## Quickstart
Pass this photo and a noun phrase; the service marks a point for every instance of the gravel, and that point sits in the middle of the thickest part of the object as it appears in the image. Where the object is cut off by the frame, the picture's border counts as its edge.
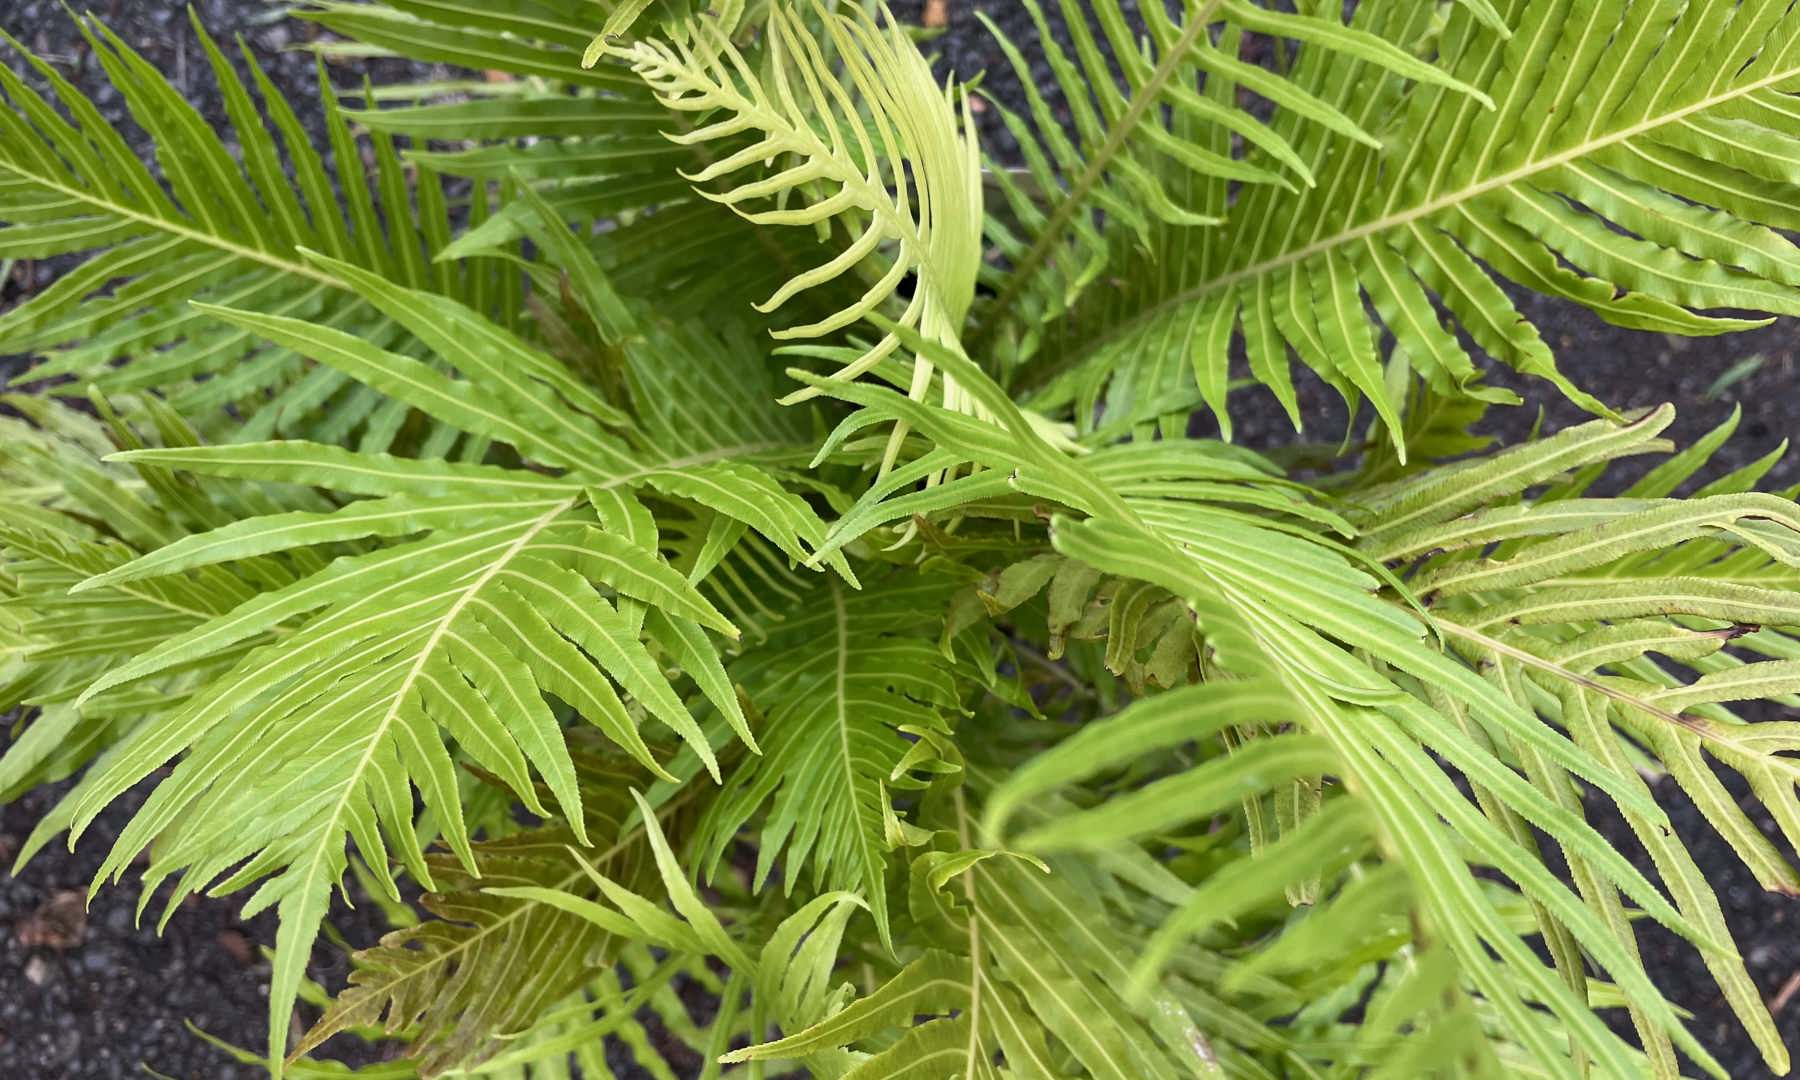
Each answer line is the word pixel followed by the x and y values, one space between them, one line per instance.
pixel 85 998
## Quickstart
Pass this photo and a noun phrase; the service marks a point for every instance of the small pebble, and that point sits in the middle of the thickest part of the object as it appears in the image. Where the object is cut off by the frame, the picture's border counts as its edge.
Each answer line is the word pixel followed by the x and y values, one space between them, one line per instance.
pixel 37 971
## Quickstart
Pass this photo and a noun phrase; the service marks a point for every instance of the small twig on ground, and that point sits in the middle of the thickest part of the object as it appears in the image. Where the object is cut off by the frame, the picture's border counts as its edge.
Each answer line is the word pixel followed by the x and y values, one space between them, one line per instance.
pixel 1786 993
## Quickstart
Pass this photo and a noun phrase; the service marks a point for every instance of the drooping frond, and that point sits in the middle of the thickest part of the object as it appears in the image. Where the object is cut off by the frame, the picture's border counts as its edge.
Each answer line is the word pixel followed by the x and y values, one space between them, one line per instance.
pixel 497 586
pixel 1285 604
pixel 1636 161
pixel 482 965
pixel 1593 611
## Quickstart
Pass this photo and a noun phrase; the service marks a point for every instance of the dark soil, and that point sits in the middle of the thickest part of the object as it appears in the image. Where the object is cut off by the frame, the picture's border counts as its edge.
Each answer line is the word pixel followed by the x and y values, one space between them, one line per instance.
pixel 96 996
pixel 90 997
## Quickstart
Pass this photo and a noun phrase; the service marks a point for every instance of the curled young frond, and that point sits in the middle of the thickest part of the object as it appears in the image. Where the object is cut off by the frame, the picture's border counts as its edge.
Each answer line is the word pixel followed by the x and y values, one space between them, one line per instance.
pixel 849 131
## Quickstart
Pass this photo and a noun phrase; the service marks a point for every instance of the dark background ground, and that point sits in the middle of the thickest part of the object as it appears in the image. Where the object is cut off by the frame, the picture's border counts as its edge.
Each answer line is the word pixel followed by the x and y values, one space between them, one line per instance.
pixel 92 998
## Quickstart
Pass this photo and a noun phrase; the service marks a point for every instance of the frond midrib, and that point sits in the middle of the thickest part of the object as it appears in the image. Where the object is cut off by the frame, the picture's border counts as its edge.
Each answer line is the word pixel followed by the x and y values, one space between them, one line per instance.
pixel 353 780
pixel 1695 726
pixel 175 228
pixel 688 461
pixel 840 678
pixel 976 979
pixel 1149 313
pixel 1077 194
pixel 140 593
pixel 330 833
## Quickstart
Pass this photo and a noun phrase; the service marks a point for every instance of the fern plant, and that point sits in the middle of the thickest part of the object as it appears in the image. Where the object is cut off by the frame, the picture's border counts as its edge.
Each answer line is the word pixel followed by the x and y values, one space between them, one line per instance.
pixel 710 528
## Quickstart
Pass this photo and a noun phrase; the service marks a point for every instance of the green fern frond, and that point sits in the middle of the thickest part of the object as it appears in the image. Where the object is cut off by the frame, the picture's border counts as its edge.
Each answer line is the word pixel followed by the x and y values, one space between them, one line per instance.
pixel 1030 960
pixel 214 229
pixel 1636 162
pixel 853 695
pixel 1276 605
pixel 456 633
pixel 1145 756
pixel 637 1006
pixel 541 39
pixel 1562 610
pixel 1156 151
pixel 787 980
pixel 483 964
pixel 902 178
pixel 68 518
pixel 588 141
pixel 580 132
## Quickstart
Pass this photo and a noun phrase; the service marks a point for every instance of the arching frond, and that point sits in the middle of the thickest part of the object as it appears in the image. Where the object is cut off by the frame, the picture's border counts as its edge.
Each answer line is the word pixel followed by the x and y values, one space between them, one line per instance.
pixel 1286 606
pixel 1634 162
pixel 1155 118
pixel 212 227
pixel 1575 598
